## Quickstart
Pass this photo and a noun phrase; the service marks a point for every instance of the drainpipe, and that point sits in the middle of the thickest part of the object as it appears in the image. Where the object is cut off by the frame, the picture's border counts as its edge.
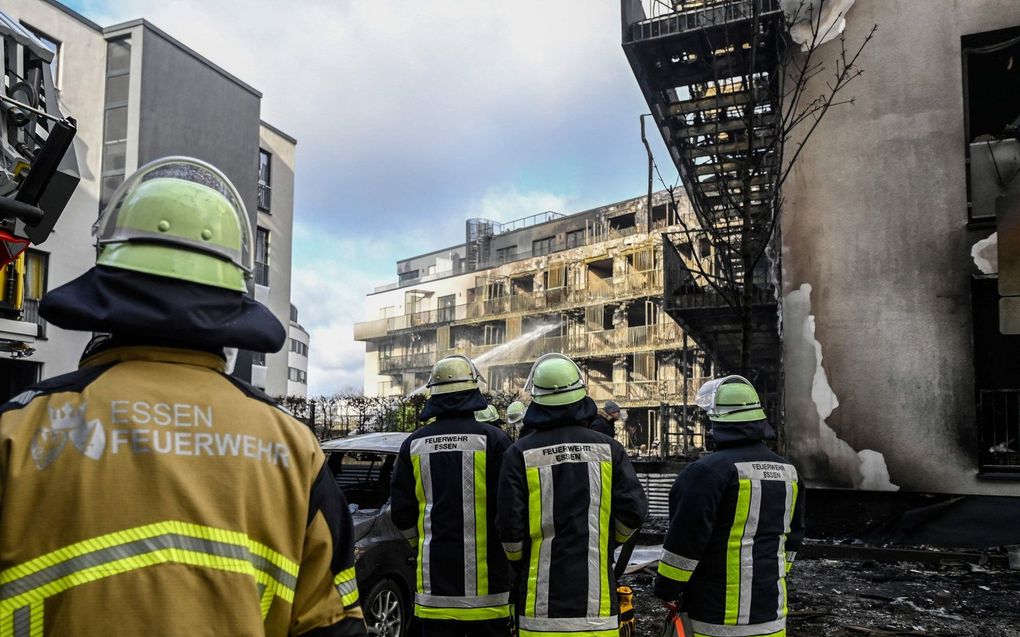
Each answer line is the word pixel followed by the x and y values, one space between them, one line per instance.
pixel 651 168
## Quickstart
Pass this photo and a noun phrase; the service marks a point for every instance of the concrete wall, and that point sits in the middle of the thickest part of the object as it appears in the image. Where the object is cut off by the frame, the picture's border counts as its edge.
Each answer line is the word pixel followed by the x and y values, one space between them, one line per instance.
pixel 877 321
pixel 280 223
pixel 189 107
pixel 81 86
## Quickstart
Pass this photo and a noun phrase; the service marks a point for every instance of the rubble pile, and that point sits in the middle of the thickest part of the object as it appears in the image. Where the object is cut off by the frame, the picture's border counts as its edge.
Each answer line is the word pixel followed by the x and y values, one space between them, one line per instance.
pixel 839 598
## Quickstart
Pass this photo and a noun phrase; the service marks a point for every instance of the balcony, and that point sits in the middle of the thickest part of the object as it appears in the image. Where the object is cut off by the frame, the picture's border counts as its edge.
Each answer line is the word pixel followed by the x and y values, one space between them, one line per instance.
pixel 498 258
pixel 406 362
pixel 636 283
pixel 603 344
pixel 707 315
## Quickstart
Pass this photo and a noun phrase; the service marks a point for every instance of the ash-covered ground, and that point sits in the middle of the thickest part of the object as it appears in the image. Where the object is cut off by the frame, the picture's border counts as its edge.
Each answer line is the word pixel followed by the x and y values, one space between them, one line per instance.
pixel 836 598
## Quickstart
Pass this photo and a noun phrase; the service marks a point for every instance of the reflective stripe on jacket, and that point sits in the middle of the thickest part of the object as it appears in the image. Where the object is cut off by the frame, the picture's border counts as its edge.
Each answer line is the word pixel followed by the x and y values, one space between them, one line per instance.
pixel 567 495
pixel 736 519
pixel 444 499
pixel 148 493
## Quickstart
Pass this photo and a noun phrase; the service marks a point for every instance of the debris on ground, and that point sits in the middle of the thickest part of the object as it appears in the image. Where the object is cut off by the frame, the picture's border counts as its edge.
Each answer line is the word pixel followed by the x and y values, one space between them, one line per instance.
pixel 844 598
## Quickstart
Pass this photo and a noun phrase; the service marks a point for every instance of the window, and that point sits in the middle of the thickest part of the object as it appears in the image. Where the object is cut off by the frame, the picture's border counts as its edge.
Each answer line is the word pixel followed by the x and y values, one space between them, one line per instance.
pixel 53 45
pixel 542 246
pixel 447 305
pixel 293 313
pixel 37 265
pixel 262 257
pixel 297 375
pixel 575 238
pixel 115 118
pixel 991 88
pixel 997 379
pixel 265 180
pixel 258 358
pixel 298 347
pixel 622 222
pixel 507 254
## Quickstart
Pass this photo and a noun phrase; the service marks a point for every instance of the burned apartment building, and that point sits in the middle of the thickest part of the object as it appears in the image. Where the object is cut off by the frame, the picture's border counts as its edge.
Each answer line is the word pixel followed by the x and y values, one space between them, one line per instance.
pixel 588 285
pixel 894 266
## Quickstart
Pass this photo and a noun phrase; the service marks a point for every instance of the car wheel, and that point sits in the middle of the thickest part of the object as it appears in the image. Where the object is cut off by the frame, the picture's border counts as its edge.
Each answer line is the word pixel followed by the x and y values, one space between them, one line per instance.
pixel 384 608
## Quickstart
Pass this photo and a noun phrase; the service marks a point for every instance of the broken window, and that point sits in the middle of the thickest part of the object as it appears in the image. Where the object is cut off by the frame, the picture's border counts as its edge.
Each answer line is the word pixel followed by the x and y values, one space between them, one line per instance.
pixel 991 86
pixel 997 380
pixel 555 276
pixel 622 222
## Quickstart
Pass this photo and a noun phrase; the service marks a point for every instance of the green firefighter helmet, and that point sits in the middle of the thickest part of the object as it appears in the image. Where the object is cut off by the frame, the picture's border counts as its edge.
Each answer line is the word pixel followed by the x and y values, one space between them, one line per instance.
pixel 489 414
pixel 730 399
pixel 453 374
pixel 181 218
pixel 555 380
pixel 515 412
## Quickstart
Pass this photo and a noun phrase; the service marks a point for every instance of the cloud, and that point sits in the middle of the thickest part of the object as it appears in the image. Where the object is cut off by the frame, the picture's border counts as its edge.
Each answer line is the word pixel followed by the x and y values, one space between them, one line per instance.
pixel 413 116
pixel 333 273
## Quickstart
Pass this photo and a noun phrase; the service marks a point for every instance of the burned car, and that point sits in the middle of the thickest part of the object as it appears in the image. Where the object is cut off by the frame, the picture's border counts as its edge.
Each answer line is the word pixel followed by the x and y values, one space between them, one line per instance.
pixel 385 562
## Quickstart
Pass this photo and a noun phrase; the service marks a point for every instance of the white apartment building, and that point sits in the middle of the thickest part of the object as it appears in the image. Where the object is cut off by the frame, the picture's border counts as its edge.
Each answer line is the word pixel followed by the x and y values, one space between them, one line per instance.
pixel 138 94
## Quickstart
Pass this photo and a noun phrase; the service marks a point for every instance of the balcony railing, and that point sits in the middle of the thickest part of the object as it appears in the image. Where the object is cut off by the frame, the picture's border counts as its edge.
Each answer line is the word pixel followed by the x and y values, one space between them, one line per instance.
pixel 636 282
pixel 999 426
pixel 30 313
pixel 559 245
pixel 580 345
pixel 262 273
pixel 649 19
pixel 265 196
pixel 421 360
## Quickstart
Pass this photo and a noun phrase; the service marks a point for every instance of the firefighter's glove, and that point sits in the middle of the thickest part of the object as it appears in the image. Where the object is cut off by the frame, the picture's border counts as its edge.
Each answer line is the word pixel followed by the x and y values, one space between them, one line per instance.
pixel 668 590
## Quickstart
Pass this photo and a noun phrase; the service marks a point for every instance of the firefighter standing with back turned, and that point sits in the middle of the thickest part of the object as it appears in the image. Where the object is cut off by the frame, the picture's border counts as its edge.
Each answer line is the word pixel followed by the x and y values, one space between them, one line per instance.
pixel 150 493
pixel 736 522
pixel 443 498
pixel 567 495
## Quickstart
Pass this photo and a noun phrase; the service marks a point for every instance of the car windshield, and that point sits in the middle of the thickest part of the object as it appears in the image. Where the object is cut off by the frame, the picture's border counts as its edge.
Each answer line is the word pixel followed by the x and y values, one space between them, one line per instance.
pixel 364 477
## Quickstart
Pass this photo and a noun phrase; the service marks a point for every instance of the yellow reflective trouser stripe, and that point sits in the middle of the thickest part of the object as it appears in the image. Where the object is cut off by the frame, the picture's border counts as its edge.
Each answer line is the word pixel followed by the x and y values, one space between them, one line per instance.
pixel 535 529
pixel 588 633
pixel 674 573
pixel 604 509
pixel 481 525
pixel 419 494
pixel 27 585
pixel 793 507
pixel 347 585
pixel 733 552
pixel 464 614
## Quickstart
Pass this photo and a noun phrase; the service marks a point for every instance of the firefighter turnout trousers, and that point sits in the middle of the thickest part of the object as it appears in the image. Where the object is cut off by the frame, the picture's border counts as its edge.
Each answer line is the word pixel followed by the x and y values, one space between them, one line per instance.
pixel 444 501
pixel 567 496
pixel 149 493
pixel 736 521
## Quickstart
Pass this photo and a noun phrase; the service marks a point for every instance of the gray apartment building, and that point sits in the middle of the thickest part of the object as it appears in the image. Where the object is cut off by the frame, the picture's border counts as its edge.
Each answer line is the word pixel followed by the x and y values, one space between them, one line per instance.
pixel 138 94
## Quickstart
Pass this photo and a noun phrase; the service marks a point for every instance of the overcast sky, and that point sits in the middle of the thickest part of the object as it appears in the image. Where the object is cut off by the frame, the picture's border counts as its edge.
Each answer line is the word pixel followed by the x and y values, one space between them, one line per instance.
pixel 412 116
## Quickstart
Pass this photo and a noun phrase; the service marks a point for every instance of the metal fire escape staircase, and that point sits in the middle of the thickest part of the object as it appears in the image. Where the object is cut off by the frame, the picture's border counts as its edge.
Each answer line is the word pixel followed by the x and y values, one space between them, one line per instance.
pixel 719 119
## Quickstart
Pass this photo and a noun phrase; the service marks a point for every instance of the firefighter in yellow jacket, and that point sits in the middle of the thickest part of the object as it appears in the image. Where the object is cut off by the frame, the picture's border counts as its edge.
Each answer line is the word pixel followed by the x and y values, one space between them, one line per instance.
pixel 150 493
